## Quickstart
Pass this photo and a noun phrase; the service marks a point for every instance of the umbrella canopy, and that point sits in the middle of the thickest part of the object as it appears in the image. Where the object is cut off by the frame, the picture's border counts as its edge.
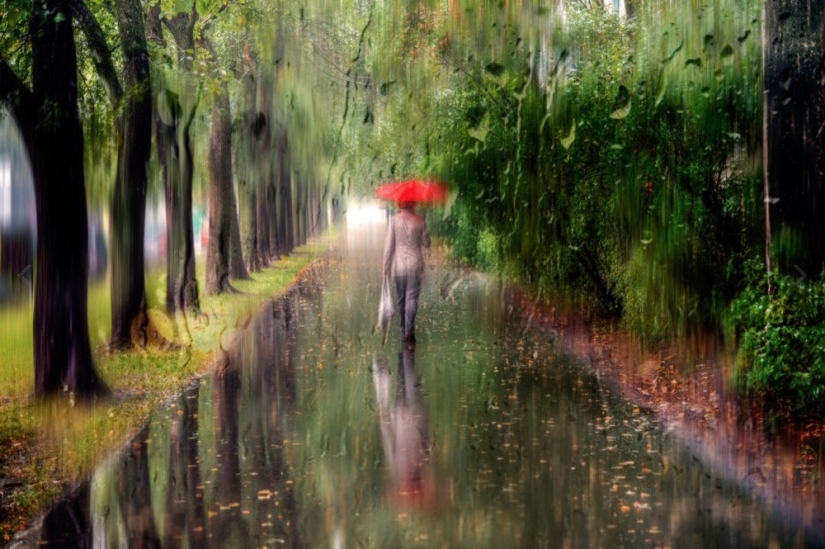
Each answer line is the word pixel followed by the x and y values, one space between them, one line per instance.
pixel 413 190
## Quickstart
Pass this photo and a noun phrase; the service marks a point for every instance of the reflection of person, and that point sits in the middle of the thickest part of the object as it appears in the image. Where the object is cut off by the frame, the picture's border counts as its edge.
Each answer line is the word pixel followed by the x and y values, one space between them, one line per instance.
pixel 404 429
pixel 404 261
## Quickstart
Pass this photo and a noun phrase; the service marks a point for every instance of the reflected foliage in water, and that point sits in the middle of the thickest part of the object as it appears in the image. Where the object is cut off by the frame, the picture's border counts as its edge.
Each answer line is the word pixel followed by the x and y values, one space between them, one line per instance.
pixel 314 433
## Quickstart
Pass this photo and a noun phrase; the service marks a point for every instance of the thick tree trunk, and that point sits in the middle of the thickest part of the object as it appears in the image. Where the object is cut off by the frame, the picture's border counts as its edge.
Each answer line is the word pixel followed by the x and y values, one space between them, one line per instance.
pixel 251 133
pixel 265 170
pixel 175 152
pixel 306 204
pixel 237 267
pixel 794 80
pixel 289 213
pixel 249 223
pixel 276 249
pixel 220 197
pixel 298 219
pixel 314 211
pixel 264 220
pixel 285 212
pixel 62 353
pixel 266 211
pixel 129 200
pixel 178 164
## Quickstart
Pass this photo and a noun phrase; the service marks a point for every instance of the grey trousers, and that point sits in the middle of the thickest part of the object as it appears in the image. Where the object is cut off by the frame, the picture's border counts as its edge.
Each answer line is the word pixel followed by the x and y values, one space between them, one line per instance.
pixel 407 288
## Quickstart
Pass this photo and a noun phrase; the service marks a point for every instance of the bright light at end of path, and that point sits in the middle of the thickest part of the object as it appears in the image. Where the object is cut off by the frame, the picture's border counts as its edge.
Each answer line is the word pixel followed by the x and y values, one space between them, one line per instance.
pixel 366 213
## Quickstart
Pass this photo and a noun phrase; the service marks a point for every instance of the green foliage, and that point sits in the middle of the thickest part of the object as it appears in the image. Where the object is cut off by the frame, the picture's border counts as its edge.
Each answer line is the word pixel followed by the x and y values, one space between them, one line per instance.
pixel 616 167
pixel 781 339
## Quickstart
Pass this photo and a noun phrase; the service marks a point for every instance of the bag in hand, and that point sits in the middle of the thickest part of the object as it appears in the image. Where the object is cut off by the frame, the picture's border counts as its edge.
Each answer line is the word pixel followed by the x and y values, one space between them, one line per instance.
pixel 385 307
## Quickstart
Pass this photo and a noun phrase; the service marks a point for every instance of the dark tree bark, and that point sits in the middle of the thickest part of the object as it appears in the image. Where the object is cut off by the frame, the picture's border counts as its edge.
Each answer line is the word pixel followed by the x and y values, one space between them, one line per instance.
pixel 285 209
pixel 129 200
pixel 276 247
pixel 62 353
pixel 265 194
pixel 49 120
pixel 252 128
pixel 794 80
pixel 175 151
pixel 249 223
pixel 300 211
pixel 264 220
pixel 221 199
pixel 237 267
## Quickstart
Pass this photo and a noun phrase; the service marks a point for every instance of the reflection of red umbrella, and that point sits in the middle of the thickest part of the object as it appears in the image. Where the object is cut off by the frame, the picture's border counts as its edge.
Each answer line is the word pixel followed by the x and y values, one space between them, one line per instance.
pixel 413 190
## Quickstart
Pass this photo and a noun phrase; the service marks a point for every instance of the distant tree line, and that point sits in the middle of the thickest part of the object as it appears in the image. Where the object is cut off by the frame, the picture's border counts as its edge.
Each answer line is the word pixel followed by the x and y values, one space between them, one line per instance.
pixel 157 67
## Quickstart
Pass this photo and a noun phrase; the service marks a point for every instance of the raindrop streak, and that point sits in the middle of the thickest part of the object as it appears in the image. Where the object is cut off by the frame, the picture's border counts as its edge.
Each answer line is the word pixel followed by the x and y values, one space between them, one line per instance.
pixel 486 434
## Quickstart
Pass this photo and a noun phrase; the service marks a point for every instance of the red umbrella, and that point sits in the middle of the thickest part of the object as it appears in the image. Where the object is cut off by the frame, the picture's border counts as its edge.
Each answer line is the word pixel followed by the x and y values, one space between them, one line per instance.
pixel 413 190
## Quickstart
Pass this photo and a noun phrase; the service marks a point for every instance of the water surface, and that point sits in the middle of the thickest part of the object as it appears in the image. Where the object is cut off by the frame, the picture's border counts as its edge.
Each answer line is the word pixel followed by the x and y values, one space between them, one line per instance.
pixel 319 432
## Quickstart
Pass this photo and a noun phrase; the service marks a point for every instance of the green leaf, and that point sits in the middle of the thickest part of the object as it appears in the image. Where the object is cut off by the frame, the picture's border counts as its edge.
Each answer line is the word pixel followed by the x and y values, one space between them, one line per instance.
pixel 621 112
pixel 480 131
pixel 566 142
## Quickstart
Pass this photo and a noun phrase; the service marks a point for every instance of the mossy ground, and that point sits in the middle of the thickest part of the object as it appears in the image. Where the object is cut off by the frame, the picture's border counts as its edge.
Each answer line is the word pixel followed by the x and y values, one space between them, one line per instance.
pixel 46 447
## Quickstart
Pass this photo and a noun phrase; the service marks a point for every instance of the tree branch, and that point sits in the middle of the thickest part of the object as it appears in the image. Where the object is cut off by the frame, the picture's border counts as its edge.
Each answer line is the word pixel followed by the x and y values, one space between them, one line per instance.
pixel 18 99
pixel 101 55
pixel 182 27
pixel 212 16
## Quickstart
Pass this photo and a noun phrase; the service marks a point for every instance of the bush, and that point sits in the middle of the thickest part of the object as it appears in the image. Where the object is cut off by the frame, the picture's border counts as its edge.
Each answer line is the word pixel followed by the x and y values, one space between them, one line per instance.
pixel 656 305
pixel 781 336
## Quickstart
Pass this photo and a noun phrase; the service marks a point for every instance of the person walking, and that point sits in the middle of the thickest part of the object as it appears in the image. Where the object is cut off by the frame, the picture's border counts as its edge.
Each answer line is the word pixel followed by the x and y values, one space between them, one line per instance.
pixel 407 236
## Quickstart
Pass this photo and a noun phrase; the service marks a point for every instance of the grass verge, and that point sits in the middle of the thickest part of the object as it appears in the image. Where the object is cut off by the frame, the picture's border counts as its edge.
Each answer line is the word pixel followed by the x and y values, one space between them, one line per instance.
pixel 46 448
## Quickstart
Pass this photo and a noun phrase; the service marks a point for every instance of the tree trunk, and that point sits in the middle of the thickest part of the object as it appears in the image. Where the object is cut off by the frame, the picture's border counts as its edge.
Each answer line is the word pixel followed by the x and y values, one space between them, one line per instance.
pixel 175 152
pixel 237 268
pixel 298 224
pixel 220 197
pixel 129 200
pixel 264 220
pixel 794 80
pixel 304 207
pixel 265 198
pixel 276 248
pixel 285 209
pixel 62 353
pixel 249 223
pixel 251 131
pixel 175 145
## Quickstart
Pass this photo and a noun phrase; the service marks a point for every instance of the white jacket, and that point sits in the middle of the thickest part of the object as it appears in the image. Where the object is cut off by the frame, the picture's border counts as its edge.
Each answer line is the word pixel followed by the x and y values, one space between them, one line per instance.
pixel 403 248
